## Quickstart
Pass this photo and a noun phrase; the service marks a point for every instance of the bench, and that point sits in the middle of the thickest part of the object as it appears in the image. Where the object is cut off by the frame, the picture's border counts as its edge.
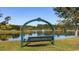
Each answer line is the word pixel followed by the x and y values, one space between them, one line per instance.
pixel 40 38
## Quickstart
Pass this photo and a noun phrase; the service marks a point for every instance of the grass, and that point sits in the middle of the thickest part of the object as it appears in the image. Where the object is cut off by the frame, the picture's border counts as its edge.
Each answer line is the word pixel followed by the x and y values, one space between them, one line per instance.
pixel 71 44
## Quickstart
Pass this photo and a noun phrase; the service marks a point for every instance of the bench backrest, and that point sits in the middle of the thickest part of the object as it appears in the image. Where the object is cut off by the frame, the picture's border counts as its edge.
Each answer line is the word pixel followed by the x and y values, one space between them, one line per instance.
pixel 40 38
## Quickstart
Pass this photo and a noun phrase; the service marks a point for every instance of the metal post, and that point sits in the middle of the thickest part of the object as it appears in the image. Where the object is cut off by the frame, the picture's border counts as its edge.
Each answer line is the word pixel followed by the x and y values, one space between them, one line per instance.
pixel 52 42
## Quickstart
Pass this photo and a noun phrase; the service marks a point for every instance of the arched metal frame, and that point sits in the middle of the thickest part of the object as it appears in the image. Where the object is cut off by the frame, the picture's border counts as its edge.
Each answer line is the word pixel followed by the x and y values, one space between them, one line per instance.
pixel 38 19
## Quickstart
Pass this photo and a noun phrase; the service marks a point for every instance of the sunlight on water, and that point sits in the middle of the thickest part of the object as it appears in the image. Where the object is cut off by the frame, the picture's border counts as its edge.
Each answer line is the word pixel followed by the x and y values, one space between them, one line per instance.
pixel 55 36
pixel 18 37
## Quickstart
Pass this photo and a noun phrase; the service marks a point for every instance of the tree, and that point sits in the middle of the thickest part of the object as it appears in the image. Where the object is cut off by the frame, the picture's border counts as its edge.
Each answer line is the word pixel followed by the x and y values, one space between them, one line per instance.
pixel 4 22
pixel 70 16
pixel 7 18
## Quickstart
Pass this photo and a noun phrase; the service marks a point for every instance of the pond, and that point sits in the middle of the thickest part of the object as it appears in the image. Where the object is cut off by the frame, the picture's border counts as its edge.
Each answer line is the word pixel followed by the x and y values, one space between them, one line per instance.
pixel 18 37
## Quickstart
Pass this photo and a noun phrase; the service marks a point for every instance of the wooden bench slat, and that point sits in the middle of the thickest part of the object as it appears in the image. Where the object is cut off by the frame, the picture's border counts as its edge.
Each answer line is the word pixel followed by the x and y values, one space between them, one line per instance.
pixel 39 38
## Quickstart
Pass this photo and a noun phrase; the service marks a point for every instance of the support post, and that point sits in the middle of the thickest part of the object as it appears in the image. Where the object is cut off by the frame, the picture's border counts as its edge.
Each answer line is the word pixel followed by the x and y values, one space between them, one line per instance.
pixel 52 42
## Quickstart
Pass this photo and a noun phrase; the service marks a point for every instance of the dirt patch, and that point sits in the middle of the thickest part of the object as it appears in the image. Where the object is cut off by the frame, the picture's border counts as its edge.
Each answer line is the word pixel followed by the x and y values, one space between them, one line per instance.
pixel 74 42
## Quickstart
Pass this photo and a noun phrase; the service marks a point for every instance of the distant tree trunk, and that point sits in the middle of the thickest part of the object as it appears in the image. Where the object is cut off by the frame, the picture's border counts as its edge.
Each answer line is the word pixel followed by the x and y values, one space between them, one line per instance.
pixel 76 32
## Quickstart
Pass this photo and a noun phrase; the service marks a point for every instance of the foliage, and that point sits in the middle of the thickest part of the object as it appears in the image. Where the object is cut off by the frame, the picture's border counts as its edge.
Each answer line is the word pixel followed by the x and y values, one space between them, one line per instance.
pixel 70 16
pixel 3 24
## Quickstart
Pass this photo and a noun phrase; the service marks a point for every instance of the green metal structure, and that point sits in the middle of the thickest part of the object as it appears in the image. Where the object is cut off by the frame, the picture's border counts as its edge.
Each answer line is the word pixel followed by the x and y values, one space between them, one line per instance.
pixel 37 19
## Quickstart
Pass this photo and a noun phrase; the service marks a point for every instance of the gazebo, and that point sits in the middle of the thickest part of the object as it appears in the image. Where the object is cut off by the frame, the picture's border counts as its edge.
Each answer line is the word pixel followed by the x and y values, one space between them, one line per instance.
pixel 37 38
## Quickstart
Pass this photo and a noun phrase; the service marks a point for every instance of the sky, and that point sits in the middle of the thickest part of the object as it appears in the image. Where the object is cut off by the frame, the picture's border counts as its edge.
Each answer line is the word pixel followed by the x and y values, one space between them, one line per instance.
pixel 20 15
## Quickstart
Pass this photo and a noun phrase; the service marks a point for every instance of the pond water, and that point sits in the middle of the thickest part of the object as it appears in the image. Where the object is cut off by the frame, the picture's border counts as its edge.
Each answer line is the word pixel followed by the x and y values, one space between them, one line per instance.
pixel 55 36
pixel 18 37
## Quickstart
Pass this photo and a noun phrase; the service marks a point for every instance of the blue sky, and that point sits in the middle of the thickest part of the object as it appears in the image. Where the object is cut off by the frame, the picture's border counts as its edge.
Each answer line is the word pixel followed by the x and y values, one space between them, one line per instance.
pixel 20 15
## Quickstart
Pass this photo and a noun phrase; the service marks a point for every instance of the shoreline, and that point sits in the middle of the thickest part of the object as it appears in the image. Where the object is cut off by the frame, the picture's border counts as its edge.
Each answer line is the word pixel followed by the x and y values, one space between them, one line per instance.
pixel 9 32
pixel 54 39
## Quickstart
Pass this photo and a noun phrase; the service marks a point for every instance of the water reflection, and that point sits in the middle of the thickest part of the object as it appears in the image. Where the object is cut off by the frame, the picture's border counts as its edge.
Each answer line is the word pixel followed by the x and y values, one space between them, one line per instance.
pixel 35 33
pixel 15 36
pixel 42 33
pixel 5 37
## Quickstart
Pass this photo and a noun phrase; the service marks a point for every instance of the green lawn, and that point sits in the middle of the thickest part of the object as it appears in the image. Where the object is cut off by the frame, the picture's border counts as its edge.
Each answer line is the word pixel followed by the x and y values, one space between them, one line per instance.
pixel 60 45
